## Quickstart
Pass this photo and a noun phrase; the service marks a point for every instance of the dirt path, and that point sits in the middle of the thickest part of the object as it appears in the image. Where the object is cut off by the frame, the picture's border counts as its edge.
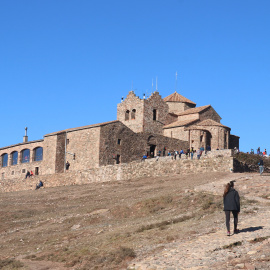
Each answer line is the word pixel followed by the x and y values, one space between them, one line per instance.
pixel 250 249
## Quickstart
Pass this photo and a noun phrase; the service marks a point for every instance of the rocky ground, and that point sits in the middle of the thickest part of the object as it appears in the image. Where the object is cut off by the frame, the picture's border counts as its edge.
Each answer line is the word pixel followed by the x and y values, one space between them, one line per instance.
pixel 250 249
pixel 173 222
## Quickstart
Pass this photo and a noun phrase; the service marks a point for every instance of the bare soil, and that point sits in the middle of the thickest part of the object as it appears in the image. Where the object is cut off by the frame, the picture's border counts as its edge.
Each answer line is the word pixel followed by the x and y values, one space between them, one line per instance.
pixel 103 225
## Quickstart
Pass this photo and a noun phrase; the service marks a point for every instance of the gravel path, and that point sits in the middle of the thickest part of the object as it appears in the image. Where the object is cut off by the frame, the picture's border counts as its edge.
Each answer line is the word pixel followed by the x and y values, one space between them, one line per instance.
pixel 216 250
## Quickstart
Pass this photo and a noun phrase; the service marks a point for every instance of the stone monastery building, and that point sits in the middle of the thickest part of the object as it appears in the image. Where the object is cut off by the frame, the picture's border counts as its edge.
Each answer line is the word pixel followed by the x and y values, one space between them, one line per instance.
pixel 153 125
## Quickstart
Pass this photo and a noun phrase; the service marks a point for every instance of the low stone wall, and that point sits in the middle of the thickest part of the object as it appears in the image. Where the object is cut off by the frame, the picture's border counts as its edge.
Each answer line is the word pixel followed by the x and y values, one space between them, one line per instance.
pixel 164 166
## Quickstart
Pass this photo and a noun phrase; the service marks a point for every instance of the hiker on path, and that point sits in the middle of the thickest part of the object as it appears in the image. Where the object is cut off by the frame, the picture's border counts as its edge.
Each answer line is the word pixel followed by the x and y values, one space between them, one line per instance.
pixel 231 201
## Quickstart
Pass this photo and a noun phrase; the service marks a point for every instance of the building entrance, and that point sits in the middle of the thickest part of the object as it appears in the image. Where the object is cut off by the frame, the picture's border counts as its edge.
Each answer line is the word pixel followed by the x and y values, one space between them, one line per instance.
pixel 208 139
pixel 152 150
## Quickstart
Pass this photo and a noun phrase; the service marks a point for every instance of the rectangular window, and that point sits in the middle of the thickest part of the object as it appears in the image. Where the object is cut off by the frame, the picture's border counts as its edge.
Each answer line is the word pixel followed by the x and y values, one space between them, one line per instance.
pixel 119 141
pixel 154 114
pixel 36 171
pixel 118 161
pixel 12 173
pixel 23 170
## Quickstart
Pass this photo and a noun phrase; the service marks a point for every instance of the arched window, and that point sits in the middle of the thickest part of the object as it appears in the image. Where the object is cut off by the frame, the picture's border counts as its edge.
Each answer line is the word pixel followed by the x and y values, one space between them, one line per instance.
pixel 25 155
pixel 133 114
pixel 154 114
pixel 127 115
pixel 38 154
pixel 14 158
pixel 4 160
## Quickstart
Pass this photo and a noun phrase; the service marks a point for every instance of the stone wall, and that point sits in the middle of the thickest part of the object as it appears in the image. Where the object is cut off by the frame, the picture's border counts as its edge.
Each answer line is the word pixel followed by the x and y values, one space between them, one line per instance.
pixel 187 117
pixel 131 112
pixel 117 139
pixel 165 166
pixel 178 107
pixel 151 125
pixel 137 114
pixel 234 141
pixel 210 113
pixel 83 148
pixel 177 133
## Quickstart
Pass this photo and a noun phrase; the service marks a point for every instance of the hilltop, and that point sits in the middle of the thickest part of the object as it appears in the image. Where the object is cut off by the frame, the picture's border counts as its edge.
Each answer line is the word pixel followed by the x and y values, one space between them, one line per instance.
pixel 172 222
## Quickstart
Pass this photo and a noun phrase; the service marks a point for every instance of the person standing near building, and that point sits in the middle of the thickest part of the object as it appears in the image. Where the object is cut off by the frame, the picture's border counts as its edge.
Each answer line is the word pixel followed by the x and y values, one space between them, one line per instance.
pixel 67 165
pixel 198 154
pixel 27 174
pixel 261 168
pixel 231 201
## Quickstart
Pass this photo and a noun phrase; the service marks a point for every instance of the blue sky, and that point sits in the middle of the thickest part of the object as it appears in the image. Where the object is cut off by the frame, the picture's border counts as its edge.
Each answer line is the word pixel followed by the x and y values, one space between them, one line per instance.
pixel 66 63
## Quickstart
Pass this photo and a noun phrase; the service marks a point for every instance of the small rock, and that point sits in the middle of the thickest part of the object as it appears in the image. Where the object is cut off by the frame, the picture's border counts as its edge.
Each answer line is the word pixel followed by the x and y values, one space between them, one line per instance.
pixel 240 265
pixel 75 227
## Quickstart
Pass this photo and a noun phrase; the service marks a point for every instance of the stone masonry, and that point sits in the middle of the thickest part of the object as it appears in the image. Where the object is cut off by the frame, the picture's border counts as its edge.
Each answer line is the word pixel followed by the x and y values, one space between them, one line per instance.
pixel 149 126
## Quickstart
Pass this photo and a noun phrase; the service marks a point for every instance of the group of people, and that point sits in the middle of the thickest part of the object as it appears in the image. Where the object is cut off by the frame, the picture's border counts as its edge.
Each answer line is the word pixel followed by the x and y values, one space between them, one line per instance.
pixel 29 174
pixel 264 153
pixel 174 154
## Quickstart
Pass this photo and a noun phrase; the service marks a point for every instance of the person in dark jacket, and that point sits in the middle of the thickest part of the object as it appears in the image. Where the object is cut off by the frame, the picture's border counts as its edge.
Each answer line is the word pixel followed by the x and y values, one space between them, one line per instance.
pixel 231 201
pixel 261 168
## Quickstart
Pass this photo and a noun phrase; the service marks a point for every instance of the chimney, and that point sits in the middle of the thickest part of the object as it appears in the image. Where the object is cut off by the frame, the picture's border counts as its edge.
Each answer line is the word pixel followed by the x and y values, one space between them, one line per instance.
pixel 25 137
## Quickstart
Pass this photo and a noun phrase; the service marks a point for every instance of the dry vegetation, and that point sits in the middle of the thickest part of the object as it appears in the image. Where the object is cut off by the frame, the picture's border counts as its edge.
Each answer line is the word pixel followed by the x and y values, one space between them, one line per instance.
pixel 103 225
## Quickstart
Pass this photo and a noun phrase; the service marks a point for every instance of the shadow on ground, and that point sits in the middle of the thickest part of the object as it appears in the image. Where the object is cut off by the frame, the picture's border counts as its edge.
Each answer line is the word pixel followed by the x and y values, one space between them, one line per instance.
pixel 251 229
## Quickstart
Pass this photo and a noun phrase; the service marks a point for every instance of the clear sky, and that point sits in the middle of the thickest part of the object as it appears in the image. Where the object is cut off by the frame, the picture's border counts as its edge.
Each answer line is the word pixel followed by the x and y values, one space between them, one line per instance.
pixel 67 63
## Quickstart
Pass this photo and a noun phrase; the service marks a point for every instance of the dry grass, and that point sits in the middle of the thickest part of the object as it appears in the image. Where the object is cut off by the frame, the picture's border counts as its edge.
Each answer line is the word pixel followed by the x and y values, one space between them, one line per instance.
pixel 104 225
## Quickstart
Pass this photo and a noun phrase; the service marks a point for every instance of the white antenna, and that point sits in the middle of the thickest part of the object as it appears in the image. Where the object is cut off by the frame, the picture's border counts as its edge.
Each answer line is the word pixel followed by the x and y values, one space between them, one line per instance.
pixel 156 84
pixel 176 81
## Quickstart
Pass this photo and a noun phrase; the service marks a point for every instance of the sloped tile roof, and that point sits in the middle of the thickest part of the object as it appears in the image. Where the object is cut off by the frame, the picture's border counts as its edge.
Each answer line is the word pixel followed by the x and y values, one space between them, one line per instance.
pixel 175 97
pixel 180 123
pixel 210 122
pixel 194 110
pixel 206 123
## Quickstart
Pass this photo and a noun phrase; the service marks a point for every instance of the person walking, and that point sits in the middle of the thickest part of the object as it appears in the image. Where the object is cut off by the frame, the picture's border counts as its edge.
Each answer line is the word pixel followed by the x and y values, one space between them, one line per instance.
pixel 231 201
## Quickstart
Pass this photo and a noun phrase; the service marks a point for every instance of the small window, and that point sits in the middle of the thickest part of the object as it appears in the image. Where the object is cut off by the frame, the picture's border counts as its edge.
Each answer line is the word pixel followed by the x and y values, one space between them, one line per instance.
pixel 38 154
pixel 133 114
pixel 36 171
pixel 4 160
pixel 127 115
pixel 154 114
pixel 25 156
pixel 12 173
pixel 67 141
pixel 119 141
pixel 14 158
pixel 23 170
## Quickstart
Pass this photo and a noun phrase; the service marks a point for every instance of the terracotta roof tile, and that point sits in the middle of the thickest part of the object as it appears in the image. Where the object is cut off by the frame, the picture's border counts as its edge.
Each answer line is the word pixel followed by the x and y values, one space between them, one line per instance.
pixel 207 122
pixel 180 123
pixel 194 110
pixel 175 97
pixel 210 122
